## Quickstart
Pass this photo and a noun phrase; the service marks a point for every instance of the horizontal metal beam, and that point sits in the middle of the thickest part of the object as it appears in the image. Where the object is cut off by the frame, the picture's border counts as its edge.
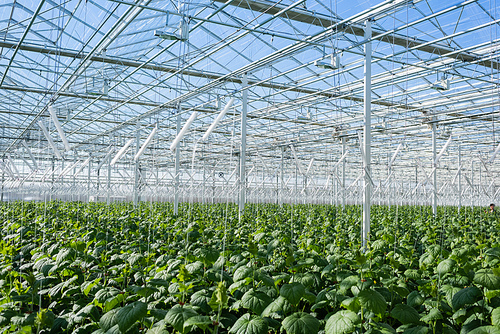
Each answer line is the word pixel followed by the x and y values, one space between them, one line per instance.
pixel 193 73
pixel 305 16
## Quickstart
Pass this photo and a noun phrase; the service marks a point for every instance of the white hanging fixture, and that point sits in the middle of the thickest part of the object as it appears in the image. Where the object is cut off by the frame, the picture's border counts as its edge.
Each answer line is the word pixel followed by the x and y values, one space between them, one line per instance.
pixel 218 119
pixel 58 127
pixel 333 64
pixel 121 152
pixel 146 143
pixel 442 151
pixel 183 131
pixel 13 166
pixel 105 158
pixel 35 165
pixel 494 154
pixel 82 166
pixel 49 139
pixel 400 146
pixel 443 84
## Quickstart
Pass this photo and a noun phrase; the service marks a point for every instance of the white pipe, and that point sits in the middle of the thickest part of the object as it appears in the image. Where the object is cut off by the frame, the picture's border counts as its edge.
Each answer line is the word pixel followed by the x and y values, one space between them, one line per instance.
pixel 341 159
pixel 49 139
pixel 218 119
pixel 296 159
pixel 146 143
pixel 58 127
pixel 30 154
pixel 121 152
pixel 85 163
pixel 442 151
pixel 400 146
pixel 310 165
pixel 494 154
pixel 67 169
pixel 13 166
pixel 183 131
pixel 7 169
pixel 106 157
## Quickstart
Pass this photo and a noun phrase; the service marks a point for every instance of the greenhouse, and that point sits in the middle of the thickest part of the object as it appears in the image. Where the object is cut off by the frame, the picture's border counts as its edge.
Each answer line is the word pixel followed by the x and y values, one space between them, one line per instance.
pixel 250 166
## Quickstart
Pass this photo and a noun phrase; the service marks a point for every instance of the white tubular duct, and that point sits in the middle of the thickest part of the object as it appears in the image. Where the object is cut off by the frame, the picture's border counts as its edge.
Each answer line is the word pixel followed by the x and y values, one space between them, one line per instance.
pixel 442 151
pixel 85 163
pixel 13 167
pixel 121 152
pixel 310 165
pixel 341 159
pixel 145 145
pixel 105 158
pixel 67 169
pixel 296 159
pixel 218 119
pixel 494 154
pixel 7 169
pixel 53 115
pixel 400 146
pixel 49 139
pixel 35 165
pixel 183 131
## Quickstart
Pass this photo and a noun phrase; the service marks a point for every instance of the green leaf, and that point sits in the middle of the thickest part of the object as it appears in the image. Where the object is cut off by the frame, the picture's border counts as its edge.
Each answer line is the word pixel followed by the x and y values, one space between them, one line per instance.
pixel 301 323
pixel 279 305
pixel 200 321
pixel 446 266
pixel 342 322
pixel 405 314
pixel 219 297
pixel 372 301
pixel 293 292
pixel 434 314
pixel 352 304
pixel 485 330
pixel 131 313
pixel 486 278
pixel 414 299
pixel 177 315
pixel 495 317
pixel 242 273
pixel 466 296
pixel 255 300
pixel 249 324
pixel 108 320
pixel 417 330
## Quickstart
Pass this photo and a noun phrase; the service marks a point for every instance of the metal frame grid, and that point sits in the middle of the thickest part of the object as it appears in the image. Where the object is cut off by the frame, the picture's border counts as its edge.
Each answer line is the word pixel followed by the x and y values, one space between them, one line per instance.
pixel 110 77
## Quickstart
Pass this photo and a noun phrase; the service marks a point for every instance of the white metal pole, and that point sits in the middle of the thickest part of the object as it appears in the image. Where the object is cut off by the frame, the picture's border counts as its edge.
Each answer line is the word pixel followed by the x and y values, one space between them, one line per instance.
pixel 177 164
pixel 343 172
pixel 434 176
pixel 282 175
pixel 136 176
pixel 243 149
pixel 367 187
pixel 459 178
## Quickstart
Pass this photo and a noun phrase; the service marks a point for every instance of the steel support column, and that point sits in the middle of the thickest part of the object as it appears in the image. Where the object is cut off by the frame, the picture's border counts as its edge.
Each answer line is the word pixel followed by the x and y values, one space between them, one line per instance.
pixel 243 149
pixel 177 164
pixel 434 176
pixel 136 174
pixel 459 178
pixel 367 186
pixel 344 147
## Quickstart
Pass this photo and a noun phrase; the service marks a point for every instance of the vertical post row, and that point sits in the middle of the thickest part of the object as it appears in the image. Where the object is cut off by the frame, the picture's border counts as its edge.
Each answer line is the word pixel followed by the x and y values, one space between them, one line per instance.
pixel 177 163
pixel 136 168
pixel 434 176
pixel 343 172
pixel 367 187
pixel 243 150
pixel 459 178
